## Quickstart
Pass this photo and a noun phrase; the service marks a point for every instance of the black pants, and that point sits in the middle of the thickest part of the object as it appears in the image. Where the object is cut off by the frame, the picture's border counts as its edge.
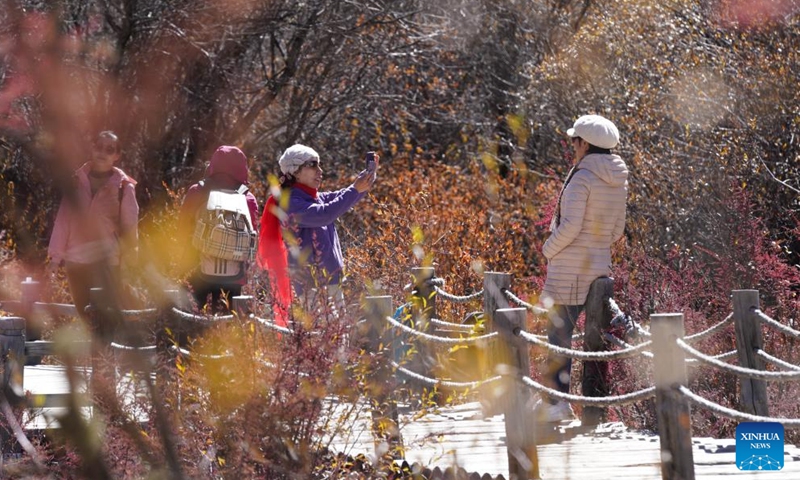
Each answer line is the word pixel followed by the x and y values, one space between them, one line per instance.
pixel 221 294
pixel 82 277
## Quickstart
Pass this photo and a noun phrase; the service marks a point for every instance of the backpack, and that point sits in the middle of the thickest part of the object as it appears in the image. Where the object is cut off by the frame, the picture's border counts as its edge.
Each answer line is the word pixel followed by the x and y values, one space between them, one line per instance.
pixel 224 234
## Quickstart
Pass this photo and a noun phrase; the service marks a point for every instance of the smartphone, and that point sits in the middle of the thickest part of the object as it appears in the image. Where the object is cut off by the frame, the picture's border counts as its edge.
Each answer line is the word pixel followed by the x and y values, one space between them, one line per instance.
pixel 370 161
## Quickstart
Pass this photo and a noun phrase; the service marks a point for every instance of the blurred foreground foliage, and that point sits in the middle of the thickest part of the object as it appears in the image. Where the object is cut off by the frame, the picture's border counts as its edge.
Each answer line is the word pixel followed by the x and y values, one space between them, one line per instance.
pixel 467 102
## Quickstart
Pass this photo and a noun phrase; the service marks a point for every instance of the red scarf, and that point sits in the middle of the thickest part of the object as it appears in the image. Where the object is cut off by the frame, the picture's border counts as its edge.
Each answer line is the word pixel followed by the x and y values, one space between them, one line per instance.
pixel 272 257
pixel 305 188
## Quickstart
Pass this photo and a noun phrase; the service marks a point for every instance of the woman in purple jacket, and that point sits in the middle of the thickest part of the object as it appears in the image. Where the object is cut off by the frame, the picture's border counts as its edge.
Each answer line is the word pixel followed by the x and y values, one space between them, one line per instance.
pixel 315 254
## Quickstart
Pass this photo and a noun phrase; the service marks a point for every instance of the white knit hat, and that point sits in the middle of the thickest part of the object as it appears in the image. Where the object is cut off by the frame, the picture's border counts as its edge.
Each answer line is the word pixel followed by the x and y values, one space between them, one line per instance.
pixel 295 156
pixel 598 131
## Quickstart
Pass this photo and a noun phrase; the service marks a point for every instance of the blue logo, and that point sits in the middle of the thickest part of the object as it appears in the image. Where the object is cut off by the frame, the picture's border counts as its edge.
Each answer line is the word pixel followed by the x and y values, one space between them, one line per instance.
pixel 759 446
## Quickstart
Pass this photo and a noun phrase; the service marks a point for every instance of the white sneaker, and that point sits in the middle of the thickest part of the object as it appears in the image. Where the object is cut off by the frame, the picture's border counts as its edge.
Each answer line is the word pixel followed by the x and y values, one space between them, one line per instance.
pixel 552 413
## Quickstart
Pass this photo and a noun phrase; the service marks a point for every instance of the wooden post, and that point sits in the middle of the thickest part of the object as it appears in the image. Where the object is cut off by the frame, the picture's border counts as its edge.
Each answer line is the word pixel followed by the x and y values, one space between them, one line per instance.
pixel 672 408
pixel 423 308
pixel 595 373
pixel 31 292
pixel 381 384
pixel 424 305
pixel 523 458
pixel 493 299
pixel 753 393
pixel 12 353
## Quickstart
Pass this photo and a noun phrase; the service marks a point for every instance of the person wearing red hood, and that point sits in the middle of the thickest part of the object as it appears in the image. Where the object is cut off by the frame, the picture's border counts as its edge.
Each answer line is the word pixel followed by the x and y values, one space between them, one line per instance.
pixel 227 170
pixel 97 230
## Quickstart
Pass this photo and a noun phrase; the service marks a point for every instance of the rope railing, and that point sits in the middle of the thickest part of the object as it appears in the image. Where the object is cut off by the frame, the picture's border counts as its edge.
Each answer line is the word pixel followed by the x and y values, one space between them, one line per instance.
pixel 442 340
pixel 201 319
pixel 612 400
pixel 581 355
pixel 435 382
pixel 201 356
pixel 456 298
pixel 59 308
pixel 623 344
pixel 776 361
pixel 746 372
pixel 139 314
pixel 726 355
pixel 775 324
pixel 522 303
pixel 690 361
pixel 696 337
pixel 457 326
pixel 735 414
pixel 271 325
pixel 146 348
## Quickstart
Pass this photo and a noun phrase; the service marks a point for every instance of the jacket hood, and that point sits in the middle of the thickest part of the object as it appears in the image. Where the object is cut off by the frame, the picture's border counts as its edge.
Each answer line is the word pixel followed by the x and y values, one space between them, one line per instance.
pixel 609 168
pixel 228 161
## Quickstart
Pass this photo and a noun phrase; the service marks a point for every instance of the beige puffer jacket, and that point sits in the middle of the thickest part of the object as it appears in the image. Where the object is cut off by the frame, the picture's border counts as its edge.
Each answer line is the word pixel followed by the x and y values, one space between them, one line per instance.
pixel 592 217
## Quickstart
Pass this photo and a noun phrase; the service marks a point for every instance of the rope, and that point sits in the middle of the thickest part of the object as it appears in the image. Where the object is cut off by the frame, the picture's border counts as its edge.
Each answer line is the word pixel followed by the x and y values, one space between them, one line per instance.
pixel 139 314
pixel 577 354
pixel 60 308
pixel 623 344
pixel 735 414
pixel 201 318
pixel 189 354
pixel 745 372
pixel 445 340
pixel 641 331
pixel 434 382
pixel 458 326
pixel 274 326
pixel 709 331
pixel 592 401
pixel 536 310
pixel 777 361
pixel 777 325
pixel 457 299
pixel 726 355
pixel 119 346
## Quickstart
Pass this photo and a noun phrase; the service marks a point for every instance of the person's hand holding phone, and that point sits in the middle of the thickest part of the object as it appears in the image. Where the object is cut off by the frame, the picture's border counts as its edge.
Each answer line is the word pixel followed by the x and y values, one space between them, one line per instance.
pixel 366 178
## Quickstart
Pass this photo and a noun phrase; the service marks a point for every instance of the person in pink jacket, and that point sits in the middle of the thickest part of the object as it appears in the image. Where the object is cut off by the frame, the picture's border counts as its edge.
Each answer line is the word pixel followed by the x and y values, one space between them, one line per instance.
pixel 589 218
pixel 96 225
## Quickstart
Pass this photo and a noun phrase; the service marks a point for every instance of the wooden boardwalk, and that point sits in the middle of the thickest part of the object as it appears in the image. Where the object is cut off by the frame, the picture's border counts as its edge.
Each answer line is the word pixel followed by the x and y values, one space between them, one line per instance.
pixel 461 436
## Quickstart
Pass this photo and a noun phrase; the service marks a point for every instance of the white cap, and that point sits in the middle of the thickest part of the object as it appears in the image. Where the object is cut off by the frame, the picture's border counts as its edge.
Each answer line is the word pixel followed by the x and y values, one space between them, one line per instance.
pixel 598 131
pixel 295 156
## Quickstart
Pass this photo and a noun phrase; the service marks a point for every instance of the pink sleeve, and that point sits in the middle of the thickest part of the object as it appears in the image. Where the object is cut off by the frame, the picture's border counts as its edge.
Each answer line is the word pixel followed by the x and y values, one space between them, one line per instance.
pixel 252 204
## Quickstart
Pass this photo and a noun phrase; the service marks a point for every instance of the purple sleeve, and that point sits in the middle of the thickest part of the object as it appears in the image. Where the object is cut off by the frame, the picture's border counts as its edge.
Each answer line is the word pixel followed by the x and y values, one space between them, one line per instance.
pixel 331 206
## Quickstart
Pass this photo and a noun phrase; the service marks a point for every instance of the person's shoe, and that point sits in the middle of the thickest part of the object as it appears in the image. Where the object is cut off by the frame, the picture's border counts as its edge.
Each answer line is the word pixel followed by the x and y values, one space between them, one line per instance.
pixel 553 413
